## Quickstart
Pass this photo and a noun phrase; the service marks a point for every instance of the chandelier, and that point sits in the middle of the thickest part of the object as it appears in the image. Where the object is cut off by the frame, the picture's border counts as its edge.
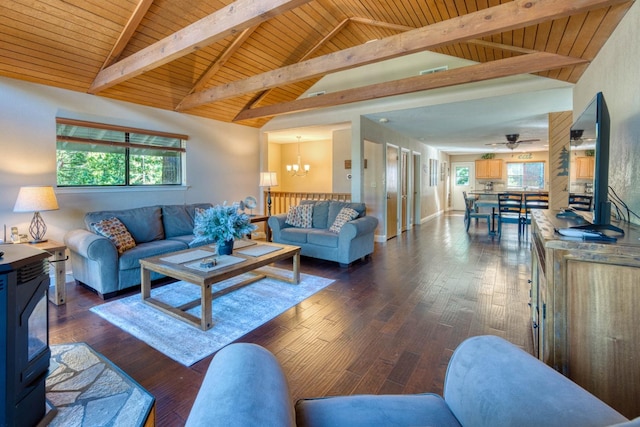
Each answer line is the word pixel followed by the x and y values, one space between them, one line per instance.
pixel 298 169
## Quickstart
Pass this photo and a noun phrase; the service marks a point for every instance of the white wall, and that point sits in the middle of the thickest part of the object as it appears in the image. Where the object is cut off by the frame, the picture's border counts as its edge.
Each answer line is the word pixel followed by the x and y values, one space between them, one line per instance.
pixel 341 152
pixel 614 72
pixel 374 179
pixel 222 159
pixel 432 199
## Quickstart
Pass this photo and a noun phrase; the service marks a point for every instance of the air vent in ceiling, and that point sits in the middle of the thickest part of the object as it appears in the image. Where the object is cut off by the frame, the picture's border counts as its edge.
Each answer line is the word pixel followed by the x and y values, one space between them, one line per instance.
pixel 434 70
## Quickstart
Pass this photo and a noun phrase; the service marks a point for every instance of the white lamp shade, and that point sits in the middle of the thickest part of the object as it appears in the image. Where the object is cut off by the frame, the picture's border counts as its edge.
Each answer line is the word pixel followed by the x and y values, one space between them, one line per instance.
pixel 268 179
pixel 36 199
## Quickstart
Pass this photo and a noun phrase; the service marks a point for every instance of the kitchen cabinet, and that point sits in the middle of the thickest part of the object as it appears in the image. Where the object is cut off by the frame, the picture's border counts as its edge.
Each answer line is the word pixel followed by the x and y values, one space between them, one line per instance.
pixel 585 167
pixel 584 299
pixel 489 169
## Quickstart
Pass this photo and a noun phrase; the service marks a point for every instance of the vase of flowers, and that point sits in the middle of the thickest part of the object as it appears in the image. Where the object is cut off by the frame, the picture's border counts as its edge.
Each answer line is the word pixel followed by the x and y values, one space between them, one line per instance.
pixel 221 224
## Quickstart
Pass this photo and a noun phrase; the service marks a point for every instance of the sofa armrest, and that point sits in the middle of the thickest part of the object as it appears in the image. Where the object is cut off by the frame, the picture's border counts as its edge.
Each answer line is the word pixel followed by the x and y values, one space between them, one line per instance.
pixel 277 223
pixel 492 382
pixel 91 246
pixel 358 227
pixel 244 386
pixel 94 260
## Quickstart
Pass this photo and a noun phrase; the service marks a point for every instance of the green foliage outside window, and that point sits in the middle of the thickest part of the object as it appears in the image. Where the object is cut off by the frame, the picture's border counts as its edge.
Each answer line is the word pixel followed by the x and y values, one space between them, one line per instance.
pixel 88 155
pixel 462 175
pixel 85 168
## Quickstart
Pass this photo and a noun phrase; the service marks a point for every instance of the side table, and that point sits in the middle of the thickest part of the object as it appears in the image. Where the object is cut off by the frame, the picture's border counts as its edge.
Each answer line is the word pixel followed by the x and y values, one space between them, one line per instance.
pixel 262 218
pixel 57 251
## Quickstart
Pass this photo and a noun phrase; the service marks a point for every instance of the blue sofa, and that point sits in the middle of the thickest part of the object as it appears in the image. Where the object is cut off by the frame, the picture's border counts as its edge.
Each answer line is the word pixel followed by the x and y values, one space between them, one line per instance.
pixel 157 230
pixel 489 382
pixel 354 241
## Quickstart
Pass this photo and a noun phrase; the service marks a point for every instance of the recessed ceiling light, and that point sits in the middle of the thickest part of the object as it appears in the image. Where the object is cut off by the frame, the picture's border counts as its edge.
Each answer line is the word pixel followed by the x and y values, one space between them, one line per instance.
pixel 384 120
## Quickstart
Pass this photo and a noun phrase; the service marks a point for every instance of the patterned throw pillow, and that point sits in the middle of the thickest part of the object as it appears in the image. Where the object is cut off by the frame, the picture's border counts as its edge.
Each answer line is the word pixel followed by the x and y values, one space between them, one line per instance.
pixel 345 215
pixel 300 216
pixel 114 230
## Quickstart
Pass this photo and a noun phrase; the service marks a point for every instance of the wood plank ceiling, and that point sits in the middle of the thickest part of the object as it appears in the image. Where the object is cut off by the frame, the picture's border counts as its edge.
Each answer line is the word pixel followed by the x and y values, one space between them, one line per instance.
pixel 249 60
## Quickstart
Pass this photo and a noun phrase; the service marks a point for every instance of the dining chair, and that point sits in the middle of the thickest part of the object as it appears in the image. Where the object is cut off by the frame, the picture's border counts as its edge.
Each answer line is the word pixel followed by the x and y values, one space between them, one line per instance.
pixel 533 201
pixel 579 202
pixel 467 197
pixel 509 211
pixel 471 212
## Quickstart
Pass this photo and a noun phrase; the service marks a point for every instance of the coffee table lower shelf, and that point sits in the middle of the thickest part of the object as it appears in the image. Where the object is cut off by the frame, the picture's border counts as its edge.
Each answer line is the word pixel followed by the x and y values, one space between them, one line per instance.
pixel 205 279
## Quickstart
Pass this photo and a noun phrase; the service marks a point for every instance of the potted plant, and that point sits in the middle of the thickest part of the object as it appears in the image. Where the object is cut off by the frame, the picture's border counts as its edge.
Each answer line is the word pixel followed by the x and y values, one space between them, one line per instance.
pixel 221 224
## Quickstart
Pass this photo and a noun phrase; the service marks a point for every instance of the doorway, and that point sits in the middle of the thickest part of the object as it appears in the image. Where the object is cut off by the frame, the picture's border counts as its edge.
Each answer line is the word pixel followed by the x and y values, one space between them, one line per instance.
pixel 416 189
pixel 462 179
pixel 404 190
pixel 392 191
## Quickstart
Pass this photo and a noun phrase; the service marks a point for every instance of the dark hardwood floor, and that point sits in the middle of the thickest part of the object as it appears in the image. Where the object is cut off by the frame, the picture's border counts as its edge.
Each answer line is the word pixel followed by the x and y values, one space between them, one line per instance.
pixel 387 325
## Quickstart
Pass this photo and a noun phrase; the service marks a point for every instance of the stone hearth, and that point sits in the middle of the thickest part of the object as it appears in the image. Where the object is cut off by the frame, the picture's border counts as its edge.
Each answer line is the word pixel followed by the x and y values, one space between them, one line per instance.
pixel 88 390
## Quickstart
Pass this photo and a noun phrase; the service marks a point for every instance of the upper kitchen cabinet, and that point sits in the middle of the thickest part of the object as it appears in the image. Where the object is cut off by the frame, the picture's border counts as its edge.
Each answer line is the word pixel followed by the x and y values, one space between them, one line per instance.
pixel 489 169
pixel 584 167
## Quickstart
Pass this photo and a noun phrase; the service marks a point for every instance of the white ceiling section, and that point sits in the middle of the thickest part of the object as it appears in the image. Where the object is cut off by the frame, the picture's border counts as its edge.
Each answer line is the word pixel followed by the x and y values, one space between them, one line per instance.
pixel 467 127
pixel 456 120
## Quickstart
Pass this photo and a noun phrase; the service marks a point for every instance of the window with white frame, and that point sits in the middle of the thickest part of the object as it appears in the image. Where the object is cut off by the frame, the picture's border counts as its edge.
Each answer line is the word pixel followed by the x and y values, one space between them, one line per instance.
pixel 525 175
pixel 95 154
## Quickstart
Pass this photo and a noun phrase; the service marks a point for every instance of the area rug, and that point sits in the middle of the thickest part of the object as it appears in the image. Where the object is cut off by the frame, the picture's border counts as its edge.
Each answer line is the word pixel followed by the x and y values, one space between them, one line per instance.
pixel 234 314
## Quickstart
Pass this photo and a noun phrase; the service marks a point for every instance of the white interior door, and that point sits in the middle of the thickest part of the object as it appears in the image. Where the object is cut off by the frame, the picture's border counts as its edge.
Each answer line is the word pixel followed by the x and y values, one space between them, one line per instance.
pixel 416 190
pixel 404 190
pixel 392 191
pixel 462 179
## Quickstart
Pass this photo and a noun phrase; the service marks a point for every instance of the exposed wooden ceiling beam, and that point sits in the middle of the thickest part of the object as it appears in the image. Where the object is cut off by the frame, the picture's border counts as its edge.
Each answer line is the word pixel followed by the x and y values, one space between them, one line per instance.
pixel 219 63
pixel 500 46
pixel 127 32
pixel 381 24
pixel 531 63
pixel 326 38
pixel 504 17
pixel 263 94
pixel 229 20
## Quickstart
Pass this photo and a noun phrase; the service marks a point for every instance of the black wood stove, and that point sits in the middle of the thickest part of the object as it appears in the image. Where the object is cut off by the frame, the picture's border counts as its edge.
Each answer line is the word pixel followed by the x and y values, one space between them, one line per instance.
pixel 24 334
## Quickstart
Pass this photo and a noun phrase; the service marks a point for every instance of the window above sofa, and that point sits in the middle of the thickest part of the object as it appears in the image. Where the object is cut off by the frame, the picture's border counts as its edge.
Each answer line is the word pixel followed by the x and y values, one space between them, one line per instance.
pixel 102 155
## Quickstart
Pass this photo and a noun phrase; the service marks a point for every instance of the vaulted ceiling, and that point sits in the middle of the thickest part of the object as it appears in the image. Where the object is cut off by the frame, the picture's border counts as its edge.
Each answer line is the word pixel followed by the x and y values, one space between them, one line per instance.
pixel 250 60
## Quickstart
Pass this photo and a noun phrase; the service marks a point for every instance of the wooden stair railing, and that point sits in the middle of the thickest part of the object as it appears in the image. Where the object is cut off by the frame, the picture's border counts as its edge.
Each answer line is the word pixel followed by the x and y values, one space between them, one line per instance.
pixel 282 200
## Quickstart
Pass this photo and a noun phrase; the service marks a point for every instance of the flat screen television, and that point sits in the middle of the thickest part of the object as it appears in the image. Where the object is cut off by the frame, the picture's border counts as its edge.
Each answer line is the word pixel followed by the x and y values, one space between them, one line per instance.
pixel 594 123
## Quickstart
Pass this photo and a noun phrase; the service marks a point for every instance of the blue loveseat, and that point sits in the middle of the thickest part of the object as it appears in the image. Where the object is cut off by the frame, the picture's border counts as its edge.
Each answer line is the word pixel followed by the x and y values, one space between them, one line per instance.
pixel 354 240
pixel 489 382
pixel 157 230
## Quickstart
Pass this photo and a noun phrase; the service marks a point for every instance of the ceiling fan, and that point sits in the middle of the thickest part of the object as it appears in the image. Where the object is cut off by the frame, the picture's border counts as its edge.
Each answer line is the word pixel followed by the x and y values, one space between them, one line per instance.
pixel 513 141
pixel 577 139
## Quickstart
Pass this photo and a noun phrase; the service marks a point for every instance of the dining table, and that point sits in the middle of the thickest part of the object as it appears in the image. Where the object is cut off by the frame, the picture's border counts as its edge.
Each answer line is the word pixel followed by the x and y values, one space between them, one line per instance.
pixel 489 203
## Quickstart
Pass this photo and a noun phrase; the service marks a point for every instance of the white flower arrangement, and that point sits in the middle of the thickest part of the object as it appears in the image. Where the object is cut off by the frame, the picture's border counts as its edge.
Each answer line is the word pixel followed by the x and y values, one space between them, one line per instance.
pixel 221 223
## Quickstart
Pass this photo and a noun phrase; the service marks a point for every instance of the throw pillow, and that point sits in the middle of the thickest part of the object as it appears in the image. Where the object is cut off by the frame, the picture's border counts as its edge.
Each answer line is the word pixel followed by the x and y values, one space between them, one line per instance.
pixel 114 230
pixel 345 215
pixel 300 216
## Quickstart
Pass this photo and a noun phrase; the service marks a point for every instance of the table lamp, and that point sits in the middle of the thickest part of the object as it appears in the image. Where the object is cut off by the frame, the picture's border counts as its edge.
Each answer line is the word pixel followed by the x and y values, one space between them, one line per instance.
pixel 36 199
pixel 268 179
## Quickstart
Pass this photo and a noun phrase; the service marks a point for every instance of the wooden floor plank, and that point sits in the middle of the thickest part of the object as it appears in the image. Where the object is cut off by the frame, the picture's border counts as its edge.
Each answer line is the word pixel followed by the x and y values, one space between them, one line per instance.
pixel 386 325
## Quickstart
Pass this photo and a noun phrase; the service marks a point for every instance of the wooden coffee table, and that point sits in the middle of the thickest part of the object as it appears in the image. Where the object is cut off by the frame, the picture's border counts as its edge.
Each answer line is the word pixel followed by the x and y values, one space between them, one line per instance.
pixel 185 265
